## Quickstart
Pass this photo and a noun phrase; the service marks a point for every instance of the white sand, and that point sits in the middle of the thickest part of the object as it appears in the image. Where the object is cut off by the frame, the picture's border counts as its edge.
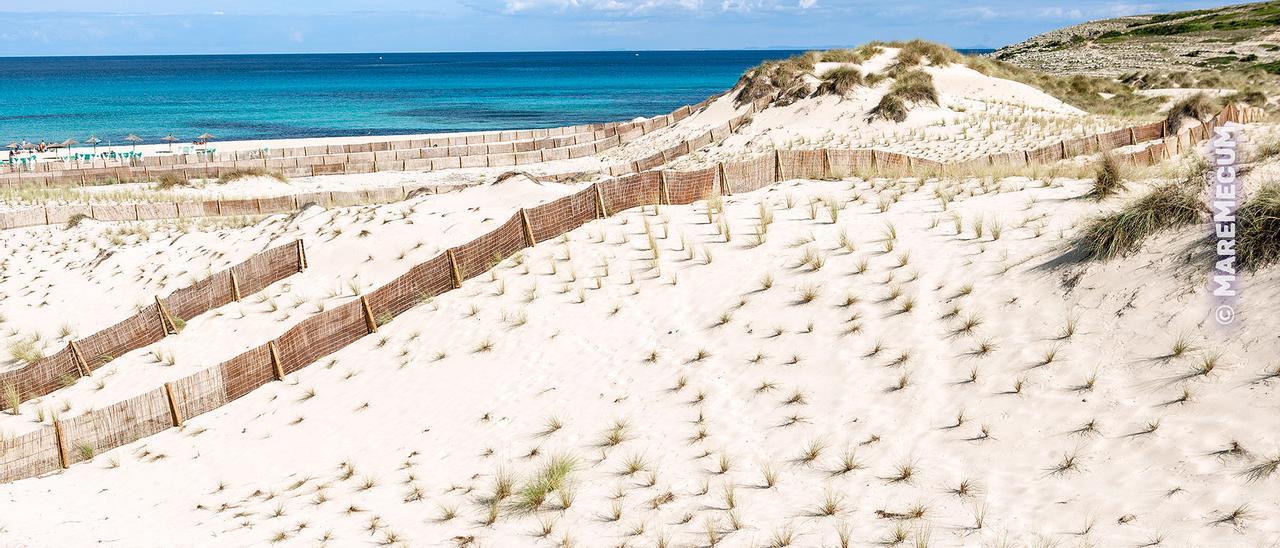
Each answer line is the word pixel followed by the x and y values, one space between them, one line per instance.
pixel 701 365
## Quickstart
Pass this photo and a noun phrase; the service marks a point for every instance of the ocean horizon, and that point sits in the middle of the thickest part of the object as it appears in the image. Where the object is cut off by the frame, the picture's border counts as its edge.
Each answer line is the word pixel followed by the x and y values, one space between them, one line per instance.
pixel 279 96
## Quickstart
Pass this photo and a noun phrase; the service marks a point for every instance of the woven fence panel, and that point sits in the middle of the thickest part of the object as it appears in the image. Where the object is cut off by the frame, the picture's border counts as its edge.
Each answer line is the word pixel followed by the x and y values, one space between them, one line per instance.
pixel 481 254
pixel 133 333
pixel 1081 146
pixel 750 175
pixel 1009 159
pixel 42 377
pixel 1154 130
pixel 560 216
pixel 278 204
pixel 1046 154
pixel 61 214
pixel 847 162
pixel 675 152
pixel 28 217
pixel 630 191
pixel 1114 139
pixel 321 335
pixel 199 393
pixel 420 283
pixel 802 164
pixel 686 187
pixel 118 424
pixel 700 141
pixel 200 297
pixel 891 160
pixel 650 162
pixel 28 455
pixel 242 374
pixel 115 213
pixel 266 268
pixel 157 211
pixel 239 207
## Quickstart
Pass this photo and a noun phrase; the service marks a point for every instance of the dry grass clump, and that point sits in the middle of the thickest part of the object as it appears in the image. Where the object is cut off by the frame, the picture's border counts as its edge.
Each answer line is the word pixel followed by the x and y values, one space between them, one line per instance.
pixel 840 81
pixel 26 350
pixel 553 476
pixel 856 55
pixel 1169 206
pixel 913 86
pixel 1258 225
pixel 1198 106
pixel 1107 179
pixel 245 173
pixel 911 53
pixel 784 78
pixel 169 180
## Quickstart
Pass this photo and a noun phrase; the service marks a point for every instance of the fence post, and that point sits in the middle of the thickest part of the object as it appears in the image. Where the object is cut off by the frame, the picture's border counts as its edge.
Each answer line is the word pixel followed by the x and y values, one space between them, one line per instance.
pixel 663 197
pixel 725 187
pixel 826 165
pixel 235 287
pixel 173 405
pixel 82 365
pixel 61 439
pixel 528 228
pixel 302 256
pixel 601 212
pixel 1133 136
pixel 777 165
pixel 1063 145
pixel 166 322
pixel 369 321
pixel 277 370
pixel 453 269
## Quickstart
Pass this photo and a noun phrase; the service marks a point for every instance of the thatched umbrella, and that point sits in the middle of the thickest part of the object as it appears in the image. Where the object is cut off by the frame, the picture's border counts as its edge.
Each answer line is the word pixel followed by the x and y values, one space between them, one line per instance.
pixel 70 143
pixel 169 139
pixel 93 140
pixel 206 137
pixel 134 139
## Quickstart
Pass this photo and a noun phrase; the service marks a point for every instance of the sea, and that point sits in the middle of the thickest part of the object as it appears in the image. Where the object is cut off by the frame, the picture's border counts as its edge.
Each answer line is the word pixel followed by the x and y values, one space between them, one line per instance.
pixel 236 97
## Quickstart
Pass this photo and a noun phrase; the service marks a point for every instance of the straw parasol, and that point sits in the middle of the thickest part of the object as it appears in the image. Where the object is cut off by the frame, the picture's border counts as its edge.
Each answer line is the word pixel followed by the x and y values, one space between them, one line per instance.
pixel 70 143
pixel 133 139
pixel 206 136
pixel 169 139
pixel 93 140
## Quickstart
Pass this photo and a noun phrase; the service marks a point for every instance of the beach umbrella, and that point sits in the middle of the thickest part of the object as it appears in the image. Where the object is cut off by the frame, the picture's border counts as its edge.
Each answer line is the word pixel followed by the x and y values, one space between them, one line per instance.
pixel 133 139
pixel 70 142
pixel 169 139
pixel 12 146
pixel 93 140
pixel 206 137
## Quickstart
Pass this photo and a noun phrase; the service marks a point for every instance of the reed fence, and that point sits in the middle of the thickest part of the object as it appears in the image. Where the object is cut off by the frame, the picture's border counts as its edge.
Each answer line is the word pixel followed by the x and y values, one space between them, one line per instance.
pixel 150 324
pixel 69 441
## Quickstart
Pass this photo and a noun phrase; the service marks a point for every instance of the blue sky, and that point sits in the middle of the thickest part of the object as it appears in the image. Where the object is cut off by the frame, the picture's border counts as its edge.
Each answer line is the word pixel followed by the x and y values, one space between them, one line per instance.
pixel 85 27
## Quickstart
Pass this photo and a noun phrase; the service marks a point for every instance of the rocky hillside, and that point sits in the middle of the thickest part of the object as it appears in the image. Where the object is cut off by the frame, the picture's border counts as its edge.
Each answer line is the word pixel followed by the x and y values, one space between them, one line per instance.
pixel 1230 37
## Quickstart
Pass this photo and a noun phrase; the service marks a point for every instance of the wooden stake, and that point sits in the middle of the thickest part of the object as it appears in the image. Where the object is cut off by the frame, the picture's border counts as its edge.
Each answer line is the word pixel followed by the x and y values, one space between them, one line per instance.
pixel 82 365
pixel 62 443
pixel 1063 144
pixel 663 197
pixel 235 287
pixel 601 212
pixel 453 266
pixel 302 256
pixel 277 370
pixel 777 165
pixel 725 187
pixel 166 322
pixel 826 164
pixel 369 321
pixel 528 228
pixel 173 405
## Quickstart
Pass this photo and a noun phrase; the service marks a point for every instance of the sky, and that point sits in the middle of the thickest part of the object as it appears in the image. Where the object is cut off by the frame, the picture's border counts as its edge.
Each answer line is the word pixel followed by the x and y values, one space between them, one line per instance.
pixel 148 27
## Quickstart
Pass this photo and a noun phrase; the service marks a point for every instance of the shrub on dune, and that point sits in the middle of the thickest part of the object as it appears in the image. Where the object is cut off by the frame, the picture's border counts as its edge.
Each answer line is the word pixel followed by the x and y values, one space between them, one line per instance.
pixel 1258 242
pixel 1170 206
pixel 245 173
pixel 911 53
pixel 889 108
pixel 170 180
pixel 840 81
pixel 1198 106
pixel 1108 179
pixel 856 55
pixel 783 77
pixel 915 86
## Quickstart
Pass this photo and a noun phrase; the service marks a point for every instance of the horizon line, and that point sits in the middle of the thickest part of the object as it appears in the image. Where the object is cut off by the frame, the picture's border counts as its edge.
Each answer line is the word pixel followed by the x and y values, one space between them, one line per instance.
pixel 619 50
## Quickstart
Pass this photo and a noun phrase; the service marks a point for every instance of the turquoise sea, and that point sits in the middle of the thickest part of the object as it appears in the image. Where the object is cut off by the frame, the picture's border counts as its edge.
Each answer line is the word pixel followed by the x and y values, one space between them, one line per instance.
pixel 282 96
